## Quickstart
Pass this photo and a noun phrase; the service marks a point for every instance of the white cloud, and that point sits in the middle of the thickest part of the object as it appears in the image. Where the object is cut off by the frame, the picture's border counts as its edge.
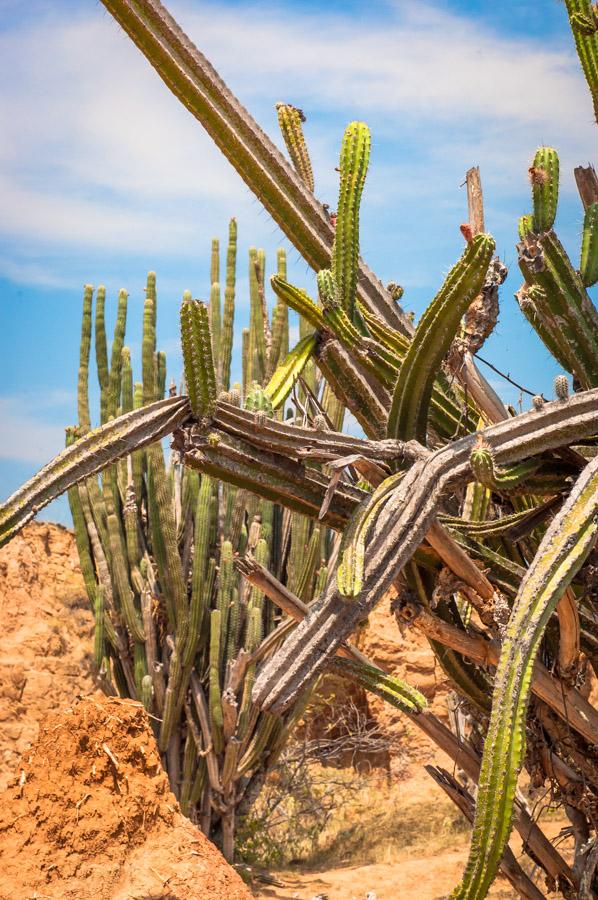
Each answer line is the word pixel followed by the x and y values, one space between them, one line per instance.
pixel 24 437
pixel 97 154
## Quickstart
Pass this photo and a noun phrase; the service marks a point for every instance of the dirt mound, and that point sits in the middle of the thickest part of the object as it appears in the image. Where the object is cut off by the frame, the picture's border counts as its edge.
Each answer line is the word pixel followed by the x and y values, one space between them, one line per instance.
pixel 46 627
pixel 91 815
pixel 408 656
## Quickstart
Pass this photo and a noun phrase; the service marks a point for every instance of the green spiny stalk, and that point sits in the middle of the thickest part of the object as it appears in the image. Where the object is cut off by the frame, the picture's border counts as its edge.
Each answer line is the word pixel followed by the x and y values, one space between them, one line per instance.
pixel 290 120
pixel 588 266
pixel 499 478
pixel 216 719
pixel 114 383
pixel 562 551
pixel 199 597
pixel 354 160
pixel 228 318
pixel 215 311
pixel 281 384
pixel 582 17
pixel 83 383
pixel 409 411
pixel 544 178
pixel 257 341
pixel 396 692
pixel 99 649
pixel 148 343
pixel 101 351
pixel 197 356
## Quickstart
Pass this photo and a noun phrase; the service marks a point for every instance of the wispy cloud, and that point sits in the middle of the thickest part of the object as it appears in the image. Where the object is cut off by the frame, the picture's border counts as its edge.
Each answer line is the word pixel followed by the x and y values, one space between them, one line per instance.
pixel 96 154
pixel 25 438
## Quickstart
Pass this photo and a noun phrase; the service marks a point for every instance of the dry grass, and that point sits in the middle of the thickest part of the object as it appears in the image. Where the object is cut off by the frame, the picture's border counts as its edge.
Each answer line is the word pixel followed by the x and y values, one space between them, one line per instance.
pixel 381 822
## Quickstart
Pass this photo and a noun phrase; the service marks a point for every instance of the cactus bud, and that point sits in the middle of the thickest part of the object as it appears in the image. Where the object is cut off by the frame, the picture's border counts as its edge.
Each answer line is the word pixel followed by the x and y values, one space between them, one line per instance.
pixel 561 387
pixel 544 178
pixel 395 290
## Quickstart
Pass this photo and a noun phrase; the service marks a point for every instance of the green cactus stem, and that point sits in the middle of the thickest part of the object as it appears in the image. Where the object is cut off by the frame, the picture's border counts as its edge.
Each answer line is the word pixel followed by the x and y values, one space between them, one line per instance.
pixel 544 178
pixel 409 412
pixel 562 551
pixel 583 20
pixel 91 453
pixel 228 317
pixel 354 160
pixel 499 478
pixel 588 266
pixel 290 120
pixel 396 692
pixel 197 356
pixel 298 300
pixel 284 378
pixel 83 382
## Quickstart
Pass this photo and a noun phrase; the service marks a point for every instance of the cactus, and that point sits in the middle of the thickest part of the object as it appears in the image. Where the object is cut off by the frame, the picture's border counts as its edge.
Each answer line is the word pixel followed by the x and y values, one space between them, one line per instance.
pixel 583 19
pixel 409 412
pixel 562 551
pixel 171 612
pixel 588 266
pixel 173 609
pixel 554 299
pixel 354 160
pixel 544 178
pixel 290 120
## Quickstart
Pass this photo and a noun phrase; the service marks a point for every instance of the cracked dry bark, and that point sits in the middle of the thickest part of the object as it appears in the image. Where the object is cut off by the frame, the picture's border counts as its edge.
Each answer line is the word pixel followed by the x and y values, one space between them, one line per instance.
pixel 460 752
pixel 400 529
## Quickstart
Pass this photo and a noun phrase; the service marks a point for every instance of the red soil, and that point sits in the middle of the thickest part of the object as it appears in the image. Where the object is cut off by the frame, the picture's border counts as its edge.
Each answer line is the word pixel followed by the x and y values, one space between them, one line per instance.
pixel 91 815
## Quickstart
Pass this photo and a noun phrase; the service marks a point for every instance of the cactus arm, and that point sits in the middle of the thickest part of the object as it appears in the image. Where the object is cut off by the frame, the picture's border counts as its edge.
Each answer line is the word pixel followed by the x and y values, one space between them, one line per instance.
pixel 435 332
pixel 228 315
pixel 120 574
pixel 215 310
pixel 114 382
pixel 498 478
pixel 197 356
pixel 91 453
pixel 199 599
pixel 281 384
pixel 101 351
pixel 513 526
pixel 298 300
pixel 269 475
pixel 565 546
pixel 354 159
pixel 586 41
pixel 257 342
pixel 290 120
pixel 393 690
pixel 215 700
pixel 99 650
pixel 148 341
pixel 83 379
pixel 532 302
pixel 562 303
pixel 544 177
pixel 193 80
pixel 588 266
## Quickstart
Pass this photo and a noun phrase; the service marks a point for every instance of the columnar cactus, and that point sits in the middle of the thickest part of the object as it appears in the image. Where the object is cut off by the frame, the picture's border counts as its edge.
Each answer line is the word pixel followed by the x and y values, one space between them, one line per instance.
pixel 176 625
pixel 482 523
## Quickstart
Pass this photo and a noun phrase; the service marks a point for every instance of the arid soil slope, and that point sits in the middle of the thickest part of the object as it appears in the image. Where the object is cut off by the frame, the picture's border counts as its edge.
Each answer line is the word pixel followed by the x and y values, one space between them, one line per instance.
pixel 46 630
pixel 92 816
pixel 409 657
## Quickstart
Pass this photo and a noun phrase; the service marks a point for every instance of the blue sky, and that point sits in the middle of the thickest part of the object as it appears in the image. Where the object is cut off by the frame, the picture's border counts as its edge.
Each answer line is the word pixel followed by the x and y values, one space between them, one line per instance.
pixel 103 175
